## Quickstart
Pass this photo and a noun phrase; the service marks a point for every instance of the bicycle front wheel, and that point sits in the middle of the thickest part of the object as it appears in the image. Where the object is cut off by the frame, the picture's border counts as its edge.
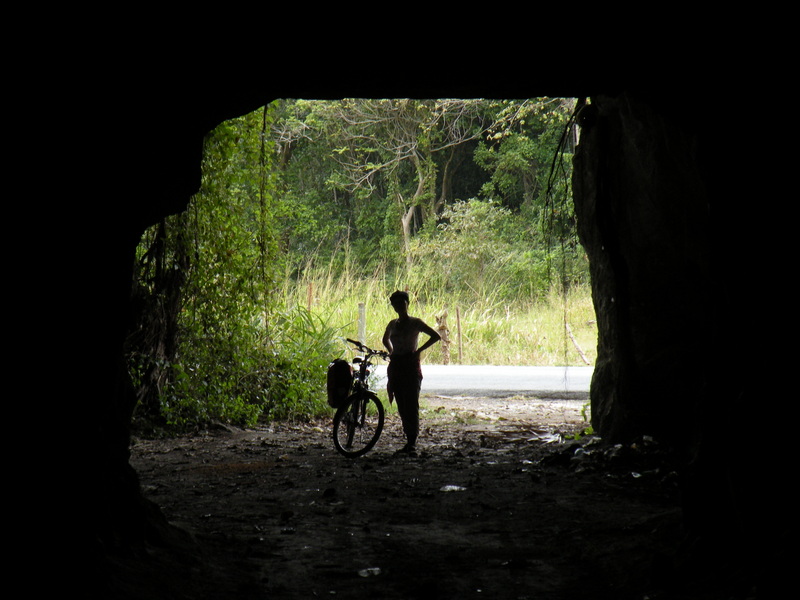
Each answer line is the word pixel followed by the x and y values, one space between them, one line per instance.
pixel 358 424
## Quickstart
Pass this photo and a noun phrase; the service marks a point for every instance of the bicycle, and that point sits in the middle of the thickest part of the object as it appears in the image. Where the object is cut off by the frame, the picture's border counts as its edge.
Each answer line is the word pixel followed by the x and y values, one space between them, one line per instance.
pixel 358 422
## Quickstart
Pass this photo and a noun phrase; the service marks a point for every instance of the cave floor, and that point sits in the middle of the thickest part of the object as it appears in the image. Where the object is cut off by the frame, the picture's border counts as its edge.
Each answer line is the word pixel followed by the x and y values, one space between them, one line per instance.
pixel 500 502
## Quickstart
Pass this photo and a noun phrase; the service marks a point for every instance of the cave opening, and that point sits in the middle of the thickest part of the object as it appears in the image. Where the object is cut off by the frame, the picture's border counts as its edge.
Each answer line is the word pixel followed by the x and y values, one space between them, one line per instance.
pixel 537 311
pixel 725 514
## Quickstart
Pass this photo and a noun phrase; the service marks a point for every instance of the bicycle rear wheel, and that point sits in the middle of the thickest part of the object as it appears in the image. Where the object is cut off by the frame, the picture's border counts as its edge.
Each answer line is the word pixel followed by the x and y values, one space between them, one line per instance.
pixel 358 424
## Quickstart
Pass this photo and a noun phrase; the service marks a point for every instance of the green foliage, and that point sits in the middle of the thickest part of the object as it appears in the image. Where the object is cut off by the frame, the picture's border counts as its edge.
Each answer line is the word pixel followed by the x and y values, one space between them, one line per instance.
pixel 225 249
pixel 302 346
pixel 352 170
pixel 466 252
pixel 238 377
pixel 481 250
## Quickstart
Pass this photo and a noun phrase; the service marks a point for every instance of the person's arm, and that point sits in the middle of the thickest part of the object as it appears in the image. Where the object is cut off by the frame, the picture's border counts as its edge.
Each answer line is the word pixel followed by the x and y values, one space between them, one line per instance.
pixel 387 343
pixel 434 336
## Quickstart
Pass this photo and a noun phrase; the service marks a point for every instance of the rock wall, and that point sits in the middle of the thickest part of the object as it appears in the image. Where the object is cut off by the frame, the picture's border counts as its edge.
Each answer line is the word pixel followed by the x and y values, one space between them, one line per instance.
pixel 643 217
pixel 680 229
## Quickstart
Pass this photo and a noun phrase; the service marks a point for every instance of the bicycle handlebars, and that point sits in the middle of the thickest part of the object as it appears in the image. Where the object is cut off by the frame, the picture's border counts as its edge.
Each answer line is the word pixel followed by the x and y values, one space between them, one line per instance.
pixel 368 350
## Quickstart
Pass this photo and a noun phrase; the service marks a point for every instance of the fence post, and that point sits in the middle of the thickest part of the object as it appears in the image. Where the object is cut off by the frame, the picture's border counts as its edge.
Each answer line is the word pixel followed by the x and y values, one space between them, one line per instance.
pixel 458 327
pixel 362 323
pixel 444 333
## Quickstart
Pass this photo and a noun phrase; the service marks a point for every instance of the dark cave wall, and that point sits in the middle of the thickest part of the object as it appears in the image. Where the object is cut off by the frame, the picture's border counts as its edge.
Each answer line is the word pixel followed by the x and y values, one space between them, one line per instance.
pixel 143 174
pixel 674 216
pixel 644 220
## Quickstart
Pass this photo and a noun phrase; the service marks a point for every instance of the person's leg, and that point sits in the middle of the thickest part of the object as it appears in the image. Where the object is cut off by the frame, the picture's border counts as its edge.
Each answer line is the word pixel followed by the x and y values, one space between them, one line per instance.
pixel 408 407
pixel 412 429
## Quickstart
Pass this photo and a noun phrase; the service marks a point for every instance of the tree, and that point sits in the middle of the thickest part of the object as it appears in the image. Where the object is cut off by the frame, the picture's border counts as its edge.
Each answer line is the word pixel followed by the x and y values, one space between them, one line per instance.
pixel 392 144
pixel 315 210
pixel 466 248
pixel 518 151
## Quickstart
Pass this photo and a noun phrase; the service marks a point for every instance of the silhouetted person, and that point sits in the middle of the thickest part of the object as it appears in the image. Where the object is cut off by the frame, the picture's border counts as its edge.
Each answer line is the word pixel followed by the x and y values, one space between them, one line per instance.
pixel 404 371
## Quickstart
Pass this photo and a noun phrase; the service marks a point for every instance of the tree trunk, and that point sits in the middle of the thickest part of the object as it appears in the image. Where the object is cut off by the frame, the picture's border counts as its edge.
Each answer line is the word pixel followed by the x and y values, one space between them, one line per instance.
pixel 406 220
pixel 153 338
pixel 454 160
pixel 410 211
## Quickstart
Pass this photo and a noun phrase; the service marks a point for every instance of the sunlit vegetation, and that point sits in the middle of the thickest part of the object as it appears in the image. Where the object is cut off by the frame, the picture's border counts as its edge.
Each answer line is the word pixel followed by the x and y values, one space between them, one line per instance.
pixel 308 209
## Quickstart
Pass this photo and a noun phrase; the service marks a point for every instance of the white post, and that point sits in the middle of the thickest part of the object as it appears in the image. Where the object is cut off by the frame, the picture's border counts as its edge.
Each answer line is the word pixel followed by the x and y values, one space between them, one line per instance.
pixel 458 326
pixel 362 323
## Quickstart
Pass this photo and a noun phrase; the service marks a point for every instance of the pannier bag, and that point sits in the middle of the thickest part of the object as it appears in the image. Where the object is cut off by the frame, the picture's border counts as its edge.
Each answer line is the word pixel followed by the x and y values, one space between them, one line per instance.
pixel 340 380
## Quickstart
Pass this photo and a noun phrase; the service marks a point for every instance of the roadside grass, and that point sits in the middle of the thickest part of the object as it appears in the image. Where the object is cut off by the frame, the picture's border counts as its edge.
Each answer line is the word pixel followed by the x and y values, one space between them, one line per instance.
pixel 553 330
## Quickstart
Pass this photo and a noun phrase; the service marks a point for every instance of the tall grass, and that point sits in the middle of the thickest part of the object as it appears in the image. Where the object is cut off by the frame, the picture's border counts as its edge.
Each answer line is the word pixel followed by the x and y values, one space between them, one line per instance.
pixel 522 331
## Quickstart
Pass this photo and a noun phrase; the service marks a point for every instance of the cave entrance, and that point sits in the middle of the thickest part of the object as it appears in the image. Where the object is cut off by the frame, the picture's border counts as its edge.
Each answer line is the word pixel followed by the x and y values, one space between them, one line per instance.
pixel 299 232
pixel 598 535
pixel 494 504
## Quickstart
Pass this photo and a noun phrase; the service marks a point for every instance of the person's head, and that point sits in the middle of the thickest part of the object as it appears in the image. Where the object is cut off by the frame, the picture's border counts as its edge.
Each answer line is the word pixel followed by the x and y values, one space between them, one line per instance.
pixel 399 298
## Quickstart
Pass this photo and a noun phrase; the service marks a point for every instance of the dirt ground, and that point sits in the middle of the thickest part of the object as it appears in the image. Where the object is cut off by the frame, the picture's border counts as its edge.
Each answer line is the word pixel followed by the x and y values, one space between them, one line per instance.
pixel 501 502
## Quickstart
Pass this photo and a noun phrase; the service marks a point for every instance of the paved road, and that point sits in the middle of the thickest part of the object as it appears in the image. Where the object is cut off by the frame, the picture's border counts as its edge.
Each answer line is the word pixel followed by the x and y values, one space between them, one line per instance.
pixel 482 380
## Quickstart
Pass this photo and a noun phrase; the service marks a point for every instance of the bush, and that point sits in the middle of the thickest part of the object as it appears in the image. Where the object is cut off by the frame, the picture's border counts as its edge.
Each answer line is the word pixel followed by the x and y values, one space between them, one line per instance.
pixel 303 345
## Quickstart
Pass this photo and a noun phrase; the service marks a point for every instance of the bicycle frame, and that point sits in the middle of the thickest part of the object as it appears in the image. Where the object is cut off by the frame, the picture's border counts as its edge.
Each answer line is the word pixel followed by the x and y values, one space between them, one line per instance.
pixel 351 418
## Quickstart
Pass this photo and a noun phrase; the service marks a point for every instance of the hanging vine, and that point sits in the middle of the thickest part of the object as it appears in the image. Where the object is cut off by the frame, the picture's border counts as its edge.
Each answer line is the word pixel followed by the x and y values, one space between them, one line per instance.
pixel 560 220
